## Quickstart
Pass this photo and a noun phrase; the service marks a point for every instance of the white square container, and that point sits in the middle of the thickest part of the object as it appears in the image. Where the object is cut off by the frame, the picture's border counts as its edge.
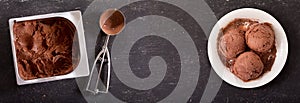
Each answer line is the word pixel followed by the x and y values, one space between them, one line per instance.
pixel 82 68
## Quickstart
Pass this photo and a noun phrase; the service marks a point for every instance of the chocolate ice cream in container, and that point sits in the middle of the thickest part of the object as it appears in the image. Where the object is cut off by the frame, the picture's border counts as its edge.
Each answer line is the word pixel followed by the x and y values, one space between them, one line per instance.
pixel 48 47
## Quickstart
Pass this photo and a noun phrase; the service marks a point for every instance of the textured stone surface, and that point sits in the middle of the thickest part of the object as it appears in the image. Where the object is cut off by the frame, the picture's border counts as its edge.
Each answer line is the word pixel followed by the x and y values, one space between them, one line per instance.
pixel 283 88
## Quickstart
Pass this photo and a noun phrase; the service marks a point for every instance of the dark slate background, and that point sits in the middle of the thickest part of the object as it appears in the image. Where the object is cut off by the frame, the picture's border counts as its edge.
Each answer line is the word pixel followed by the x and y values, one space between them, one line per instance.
pixel 283 88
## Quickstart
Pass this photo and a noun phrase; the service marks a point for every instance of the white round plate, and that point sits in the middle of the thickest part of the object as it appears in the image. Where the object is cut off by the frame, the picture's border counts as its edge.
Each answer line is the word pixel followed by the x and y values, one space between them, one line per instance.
pixel 281 46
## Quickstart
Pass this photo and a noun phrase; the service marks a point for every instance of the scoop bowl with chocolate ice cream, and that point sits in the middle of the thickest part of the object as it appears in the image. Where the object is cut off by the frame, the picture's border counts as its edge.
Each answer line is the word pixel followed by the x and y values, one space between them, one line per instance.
pixel 265 48
pixel 243 46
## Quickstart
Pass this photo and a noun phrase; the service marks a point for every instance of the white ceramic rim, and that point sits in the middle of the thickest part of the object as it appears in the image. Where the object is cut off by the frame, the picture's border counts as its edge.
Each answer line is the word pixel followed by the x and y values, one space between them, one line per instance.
pixel 281 46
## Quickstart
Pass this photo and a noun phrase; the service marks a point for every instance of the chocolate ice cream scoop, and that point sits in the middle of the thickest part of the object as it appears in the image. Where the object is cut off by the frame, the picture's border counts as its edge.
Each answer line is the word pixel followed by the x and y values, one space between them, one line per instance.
pixel 232 43
pixel 248 66
pixel 112 22
pixel 260 37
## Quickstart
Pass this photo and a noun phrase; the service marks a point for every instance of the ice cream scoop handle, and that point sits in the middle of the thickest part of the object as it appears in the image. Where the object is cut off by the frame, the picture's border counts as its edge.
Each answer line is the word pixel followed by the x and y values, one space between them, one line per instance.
pixel 94 85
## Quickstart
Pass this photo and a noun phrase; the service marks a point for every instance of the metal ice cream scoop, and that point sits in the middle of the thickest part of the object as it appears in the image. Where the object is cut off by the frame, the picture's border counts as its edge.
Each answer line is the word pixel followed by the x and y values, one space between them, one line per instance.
pixel 112 22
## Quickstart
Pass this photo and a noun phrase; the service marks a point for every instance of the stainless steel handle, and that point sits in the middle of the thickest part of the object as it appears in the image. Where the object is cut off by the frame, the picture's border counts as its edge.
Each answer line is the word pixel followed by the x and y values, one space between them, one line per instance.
pixel 94 85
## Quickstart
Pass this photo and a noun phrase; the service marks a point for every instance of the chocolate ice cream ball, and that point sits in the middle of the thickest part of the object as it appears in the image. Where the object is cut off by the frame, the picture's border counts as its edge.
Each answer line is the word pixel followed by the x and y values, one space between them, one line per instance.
pixel 232 43
pixel 260 37
pixel 248 66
